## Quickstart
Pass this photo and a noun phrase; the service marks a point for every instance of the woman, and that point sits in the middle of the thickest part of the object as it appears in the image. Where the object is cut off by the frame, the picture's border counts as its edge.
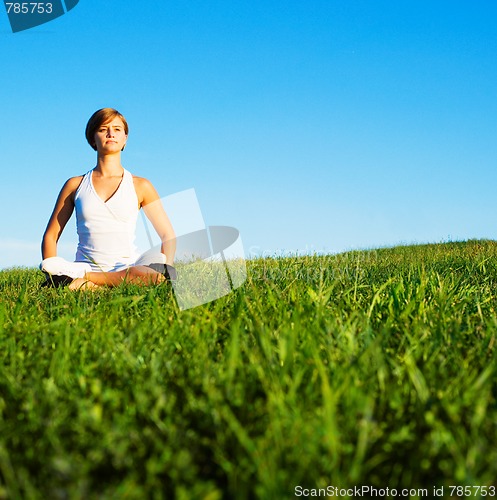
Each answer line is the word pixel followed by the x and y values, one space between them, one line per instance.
pixel 107 200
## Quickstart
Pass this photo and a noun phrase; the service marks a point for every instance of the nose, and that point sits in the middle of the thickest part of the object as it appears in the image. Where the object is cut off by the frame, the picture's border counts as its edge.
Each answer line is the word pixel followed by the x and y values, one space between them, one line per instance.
pixel 110 132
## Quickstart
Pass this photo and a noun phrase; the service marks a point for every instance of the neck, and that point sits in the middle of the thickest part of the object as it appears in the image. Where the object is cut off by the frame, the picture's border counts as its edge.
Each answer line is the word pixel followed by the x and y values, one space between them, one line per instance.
pixel 109 165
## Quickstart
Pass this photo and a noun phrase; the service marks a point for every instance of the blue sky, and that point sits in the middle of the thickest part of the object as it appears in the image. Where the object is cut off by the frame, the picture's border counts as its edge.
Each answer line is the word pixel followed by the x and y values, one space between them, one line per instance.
pixel 317 126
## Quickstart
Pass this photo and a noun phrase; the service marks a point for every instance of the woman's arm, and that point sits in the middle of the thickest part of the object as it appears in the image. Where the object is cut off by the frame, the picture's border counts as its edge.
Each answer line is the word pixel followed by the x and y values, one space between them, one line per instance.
pixel 62 212
pixel 152 206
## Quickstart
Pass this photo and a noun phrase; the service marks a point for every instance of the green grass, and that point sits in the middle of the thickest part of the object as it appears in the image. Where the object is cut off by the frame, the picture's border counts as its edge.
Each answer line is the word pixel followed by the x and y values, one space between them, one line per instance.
pixel 365 368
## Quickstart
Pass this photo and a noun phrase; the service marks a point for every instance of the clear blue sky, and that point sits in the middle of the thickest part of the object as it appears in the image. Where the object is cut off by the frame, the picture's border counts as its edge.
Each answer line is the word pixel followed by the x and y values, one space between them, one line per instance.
pixel 309 126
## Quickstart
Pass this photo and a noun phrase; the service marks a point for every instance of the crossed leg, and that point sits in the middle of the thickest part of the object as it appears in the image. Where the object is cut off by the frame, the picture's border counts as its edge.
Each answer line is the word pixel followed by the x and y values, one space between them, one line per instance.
pixel 140 275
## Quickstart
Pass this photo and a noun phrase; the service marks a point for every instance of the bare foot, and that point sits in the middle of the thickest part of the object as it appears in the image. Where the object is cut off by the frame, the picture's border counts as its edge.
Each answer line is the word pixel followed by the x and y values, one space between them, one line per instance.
pixel 82 284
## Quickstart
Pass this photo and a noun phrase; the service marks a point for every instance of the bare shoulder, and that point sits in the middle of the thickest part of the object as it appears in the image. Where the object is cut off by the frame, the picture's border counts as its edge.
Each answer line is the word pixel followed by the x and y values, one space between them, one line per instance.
pixel 141 181
pixel 143 185
pixel 145 190
pixel 74 182
pixel 71 185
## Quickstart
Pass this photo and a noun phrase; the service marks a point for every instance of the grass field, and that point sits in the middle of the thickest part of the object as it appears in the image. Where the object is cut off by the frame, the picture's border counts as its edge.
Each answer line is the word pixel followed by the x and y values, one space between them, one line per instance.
pixel 366 368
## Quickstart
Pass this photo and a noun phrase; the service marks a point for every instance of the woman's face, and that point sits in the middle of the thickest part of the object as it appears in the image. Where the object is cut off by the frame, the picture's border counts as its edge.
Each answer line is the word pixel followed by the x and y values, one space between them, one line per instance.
pixel 111 137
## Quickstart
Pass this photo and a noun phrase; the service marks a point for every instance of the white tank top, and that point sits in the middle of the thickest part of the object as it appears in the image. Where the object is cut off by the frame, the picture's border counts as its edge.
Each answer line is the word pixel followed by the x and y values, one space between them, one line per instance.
pixel 106 229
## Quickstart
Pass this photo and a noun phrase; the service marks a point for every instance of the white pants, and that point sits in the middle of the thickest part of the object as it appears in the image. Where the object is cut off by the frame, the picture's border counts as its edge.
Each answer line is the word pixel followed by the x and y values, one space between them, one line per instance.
pixel 61 267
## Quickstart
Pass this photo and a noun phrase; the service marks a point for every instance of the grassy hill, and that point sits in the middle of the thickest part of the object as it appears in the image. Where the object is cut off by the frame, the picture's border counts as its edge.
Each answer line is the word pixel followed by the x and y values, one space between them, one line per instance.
pixel 365 368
